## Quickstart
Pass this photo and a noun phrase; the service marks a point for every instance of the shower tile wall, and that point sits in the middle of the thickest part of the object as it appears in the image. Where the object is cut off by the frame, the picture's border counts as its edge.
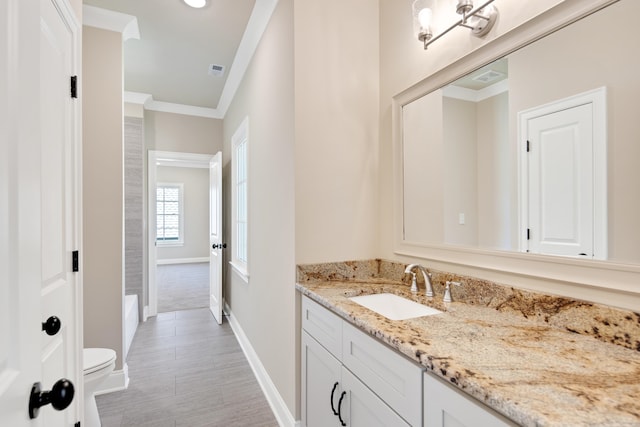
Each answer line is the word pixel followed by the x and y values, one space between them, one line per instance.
pixel 133 208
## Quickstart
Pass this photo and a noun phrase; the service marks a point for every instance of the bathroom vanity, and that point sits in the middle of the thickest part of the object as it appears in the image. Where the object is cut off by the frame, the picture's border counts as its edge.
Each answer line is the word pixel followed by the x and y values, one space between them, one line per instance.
pixel 495 355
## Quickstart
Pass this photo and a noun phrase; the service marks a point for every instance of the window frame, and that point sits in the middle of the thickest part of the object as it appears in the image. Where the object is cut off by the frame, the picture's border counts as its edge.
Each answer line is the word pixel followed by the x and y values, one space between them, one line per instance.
pixel 180 240
pixel 240 138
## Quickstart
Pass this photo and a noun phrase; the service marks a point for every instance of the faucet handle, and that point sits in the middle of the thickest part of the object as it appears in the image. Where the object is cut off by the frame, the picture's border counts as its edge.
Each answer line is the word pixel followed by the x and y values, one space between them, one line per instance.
pixel 414 283
pixel 447 290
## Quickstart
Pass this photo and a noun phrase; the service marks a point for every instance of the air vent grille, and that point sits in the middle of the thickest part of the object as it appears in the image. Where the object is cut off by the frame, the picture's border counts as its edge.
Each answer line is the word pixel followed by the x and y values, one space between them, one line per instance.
pixel 488 76
pixel 216 70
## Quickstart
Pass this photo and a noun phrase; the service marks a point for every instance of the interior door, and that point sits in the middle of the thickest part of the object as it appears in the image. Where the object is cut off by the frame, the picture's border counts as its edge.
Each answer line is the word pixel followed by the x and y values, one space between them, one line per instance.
pixel 19 229
pixel 215 237
pixel 39 223
pixel 59 196
pixel 561 182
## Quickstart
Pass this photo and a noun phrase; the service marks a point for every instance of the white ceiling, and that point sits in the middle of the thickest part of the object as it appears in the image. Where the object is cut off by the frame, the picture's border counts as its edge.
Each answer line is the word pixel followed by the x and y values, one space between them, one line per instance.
pixel 177 43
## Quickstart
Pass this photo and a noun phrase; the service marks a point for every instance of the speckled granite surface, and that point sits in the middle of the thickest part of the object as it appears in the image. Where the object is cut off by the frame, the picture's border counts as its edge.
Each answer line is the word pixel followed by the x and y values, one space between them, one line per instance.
pixel 540 360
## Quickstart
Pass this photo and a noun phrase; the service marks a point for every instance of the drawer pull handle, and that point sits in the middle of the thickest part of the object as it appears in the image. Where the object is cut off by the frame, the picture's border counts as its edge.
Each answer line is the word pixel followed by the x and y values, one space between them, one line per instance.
pixel 332 392
pixel 344 393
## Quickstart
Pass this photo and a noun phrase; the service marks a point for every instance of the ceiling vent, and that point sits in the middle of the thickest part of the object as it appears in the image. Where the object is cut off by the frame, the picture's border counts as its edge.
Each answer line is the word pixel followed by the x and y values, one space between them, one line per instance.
pixel 488 76
pixel 216 70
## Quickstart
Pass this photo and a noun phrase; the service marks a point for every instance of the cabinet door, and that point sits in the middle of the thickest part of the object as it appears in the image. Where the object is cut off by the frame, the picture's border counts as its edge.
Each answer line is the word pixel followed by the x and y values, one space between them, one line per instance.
pixel 445 406
pixel 360 407
pixel 396 380
pixel 321 387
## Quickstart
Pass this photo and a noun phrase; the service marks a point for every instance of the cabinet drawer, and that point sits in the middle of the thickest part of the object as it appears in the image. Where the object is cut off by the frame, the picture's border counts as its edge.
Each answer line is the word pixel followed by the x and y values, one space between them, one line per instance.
pixel 323 325
pixel 394 378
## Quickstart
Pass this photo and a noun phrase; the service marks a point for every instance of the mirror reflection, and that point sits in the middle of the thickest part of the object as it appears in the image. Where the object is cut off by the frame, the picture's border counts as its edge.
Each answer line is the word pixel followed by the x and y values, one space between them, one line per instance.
pixel 469 179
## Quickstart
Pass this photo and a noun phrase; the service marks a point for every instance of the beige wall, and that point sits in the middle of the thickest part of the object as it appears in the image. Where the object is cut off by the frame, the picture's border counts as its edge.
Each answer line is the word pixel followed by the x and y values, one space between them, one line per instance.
pixel 266 306
pixel 133 110
pixel 336 120
pixel 497 220
pixel 460 171
pixel 422 160
pixel 182 133
pixel 403 64
pixel 196 211
pixel 103 190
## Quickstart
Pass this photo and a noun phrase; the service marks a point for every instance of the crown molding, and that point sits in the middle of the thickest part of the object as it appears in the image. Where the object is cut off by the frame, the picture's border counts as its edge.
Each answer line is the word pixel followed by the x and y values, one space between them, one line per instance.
pixel 148 103
pixel 113 21
pixel 260 17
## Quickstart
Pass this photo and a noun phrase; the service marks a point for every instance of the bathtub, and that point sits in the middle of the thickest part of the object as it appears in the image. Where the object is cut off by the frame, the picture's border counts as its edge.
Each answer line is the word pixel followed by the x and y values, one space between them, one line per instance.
pixel 130 320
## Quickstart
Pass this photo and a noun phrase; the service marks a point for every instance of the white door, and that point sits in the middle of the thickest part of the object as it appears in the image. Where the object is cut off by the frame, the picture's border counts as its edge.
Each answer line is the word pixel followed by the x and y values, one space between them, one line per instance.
pixel 561 182
pixel 40 208
pixel 215 237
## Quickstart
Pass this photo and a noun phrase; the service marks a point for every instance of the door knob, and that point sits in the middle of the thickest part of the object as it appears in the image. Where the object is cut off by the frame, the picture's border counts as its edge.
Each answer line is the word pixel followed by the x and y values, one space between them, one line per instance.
pixel 60 396
pixel 219 246
pixel 52 325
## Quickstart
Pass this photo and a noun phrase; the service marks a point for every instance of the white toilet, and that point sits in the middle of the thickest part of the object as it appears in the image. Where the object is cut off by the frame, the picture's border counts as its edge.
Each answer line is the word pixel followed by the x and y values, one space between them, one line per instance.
pixel 98 364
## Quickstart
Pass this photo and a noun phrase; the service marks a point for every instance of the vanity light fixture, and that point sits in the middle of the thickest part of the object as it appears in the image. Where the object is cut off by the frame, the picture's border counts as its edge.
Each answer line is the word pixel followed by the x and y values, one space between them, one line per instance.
pixel 197 4
pixel 479 20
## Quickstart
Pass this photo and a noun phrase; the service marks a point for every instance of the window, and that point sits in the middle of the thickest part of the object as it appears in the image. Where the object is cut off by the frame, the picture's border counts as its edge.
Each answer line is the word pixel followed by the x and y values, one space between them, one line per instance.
pixel 239 214
pixel 169 214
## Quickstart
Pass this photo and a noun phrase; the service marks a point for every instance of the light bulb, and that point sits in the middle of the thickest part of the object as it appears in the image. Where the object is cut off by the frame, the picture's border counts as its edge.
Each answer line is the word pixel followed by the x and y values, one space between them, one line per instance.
pixel 196 3
pixel 424 17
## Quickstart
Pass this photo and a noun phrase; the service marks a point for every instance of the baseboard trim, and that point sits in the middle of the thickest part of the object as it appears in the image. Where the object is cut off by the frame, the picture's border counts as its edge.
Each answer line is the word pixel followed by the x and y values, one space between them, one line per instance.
pixel 117 381
pixel 279 408
pixel 182 261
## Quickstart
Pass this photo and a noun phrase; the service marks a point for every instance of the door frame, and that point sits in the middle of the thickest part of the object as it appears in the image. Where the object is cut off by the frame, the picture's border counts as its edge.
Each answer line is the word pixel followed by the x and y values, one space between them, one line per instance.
pixel 155 159
pixel 598 99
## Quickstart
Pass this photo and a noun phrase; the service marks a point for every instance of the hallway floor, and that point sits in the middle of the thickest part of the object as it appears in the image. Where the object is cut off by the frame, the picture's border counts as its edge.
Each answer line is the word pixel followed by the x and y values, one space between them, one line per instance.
pixel 182 286
pixel 186 370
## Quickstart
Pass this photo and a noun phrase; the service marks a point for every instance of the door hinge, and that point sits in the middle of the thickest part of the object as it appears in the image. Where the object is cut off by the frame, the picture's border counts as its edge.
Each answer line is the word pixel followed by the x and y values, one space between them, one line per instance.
pixel 528 145
pixel 528 234
pixel 74 86
pixel 75 264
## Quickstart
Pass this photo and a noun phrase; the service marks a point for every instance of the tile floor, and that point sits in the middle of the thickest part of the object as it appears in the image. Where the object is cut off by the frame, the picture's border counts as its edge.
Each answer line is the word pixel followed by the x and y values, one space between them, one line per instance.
pixel 186 370
pixel 182 286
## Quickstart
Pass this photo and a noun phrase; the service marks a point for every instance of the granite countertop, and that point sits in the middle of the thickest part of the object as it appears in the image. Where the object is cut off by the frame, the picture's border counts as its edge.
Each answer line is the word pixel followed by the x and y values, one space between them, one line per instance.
pixel 524 367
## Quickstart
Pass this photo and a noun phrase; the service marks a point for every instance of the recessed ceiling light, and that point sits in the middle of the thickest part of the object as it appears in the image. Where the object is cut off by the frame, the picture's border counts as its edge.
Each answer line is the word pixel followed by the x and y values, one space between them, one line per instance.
pixel 196 3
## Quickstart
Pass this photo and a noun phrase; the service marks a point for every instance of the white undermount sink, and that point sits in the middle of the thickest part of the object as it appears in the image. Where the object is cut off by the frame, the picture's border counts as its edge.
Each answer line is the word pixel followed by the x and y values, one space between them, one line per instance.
pixel 394 307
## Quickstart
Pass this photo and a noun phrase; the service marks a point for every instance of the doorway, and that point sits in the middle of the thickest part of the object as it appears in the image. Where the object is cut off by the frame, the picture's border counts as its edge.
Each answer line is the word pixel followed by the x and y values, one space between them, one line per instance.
pixel 169 229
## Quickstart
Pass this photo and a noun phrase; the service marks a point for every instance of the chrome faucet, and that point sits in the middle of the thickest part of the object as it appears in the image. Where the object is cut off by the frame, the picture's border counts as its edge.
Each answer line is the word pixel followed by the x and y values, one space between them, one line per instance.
pixel 425 274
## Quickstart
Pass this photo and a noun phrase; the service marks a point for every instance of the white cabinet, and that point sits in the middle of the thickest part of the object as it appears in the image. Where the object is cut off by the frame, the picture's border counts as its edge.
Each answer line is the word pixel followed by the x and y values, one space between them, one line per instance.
pixel 333 396
pixel 444 406
pixel 362 408
pixel 371 386
pixel 321 385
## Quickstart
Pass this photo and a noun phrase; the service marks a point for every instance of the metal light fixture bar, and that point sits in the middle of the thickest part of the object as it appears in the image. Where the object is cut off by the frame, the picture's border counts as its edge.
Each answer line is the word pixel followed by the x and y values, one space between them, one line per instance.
pixel 477 30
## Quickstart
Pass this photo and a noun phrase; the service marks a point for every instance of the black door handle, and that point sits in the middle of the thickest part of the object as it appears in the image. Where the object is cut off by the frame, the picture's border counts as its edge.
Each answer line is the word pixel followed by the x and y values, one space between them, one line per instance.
pixel 219 246
pixel 52 325
pixel 60 396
